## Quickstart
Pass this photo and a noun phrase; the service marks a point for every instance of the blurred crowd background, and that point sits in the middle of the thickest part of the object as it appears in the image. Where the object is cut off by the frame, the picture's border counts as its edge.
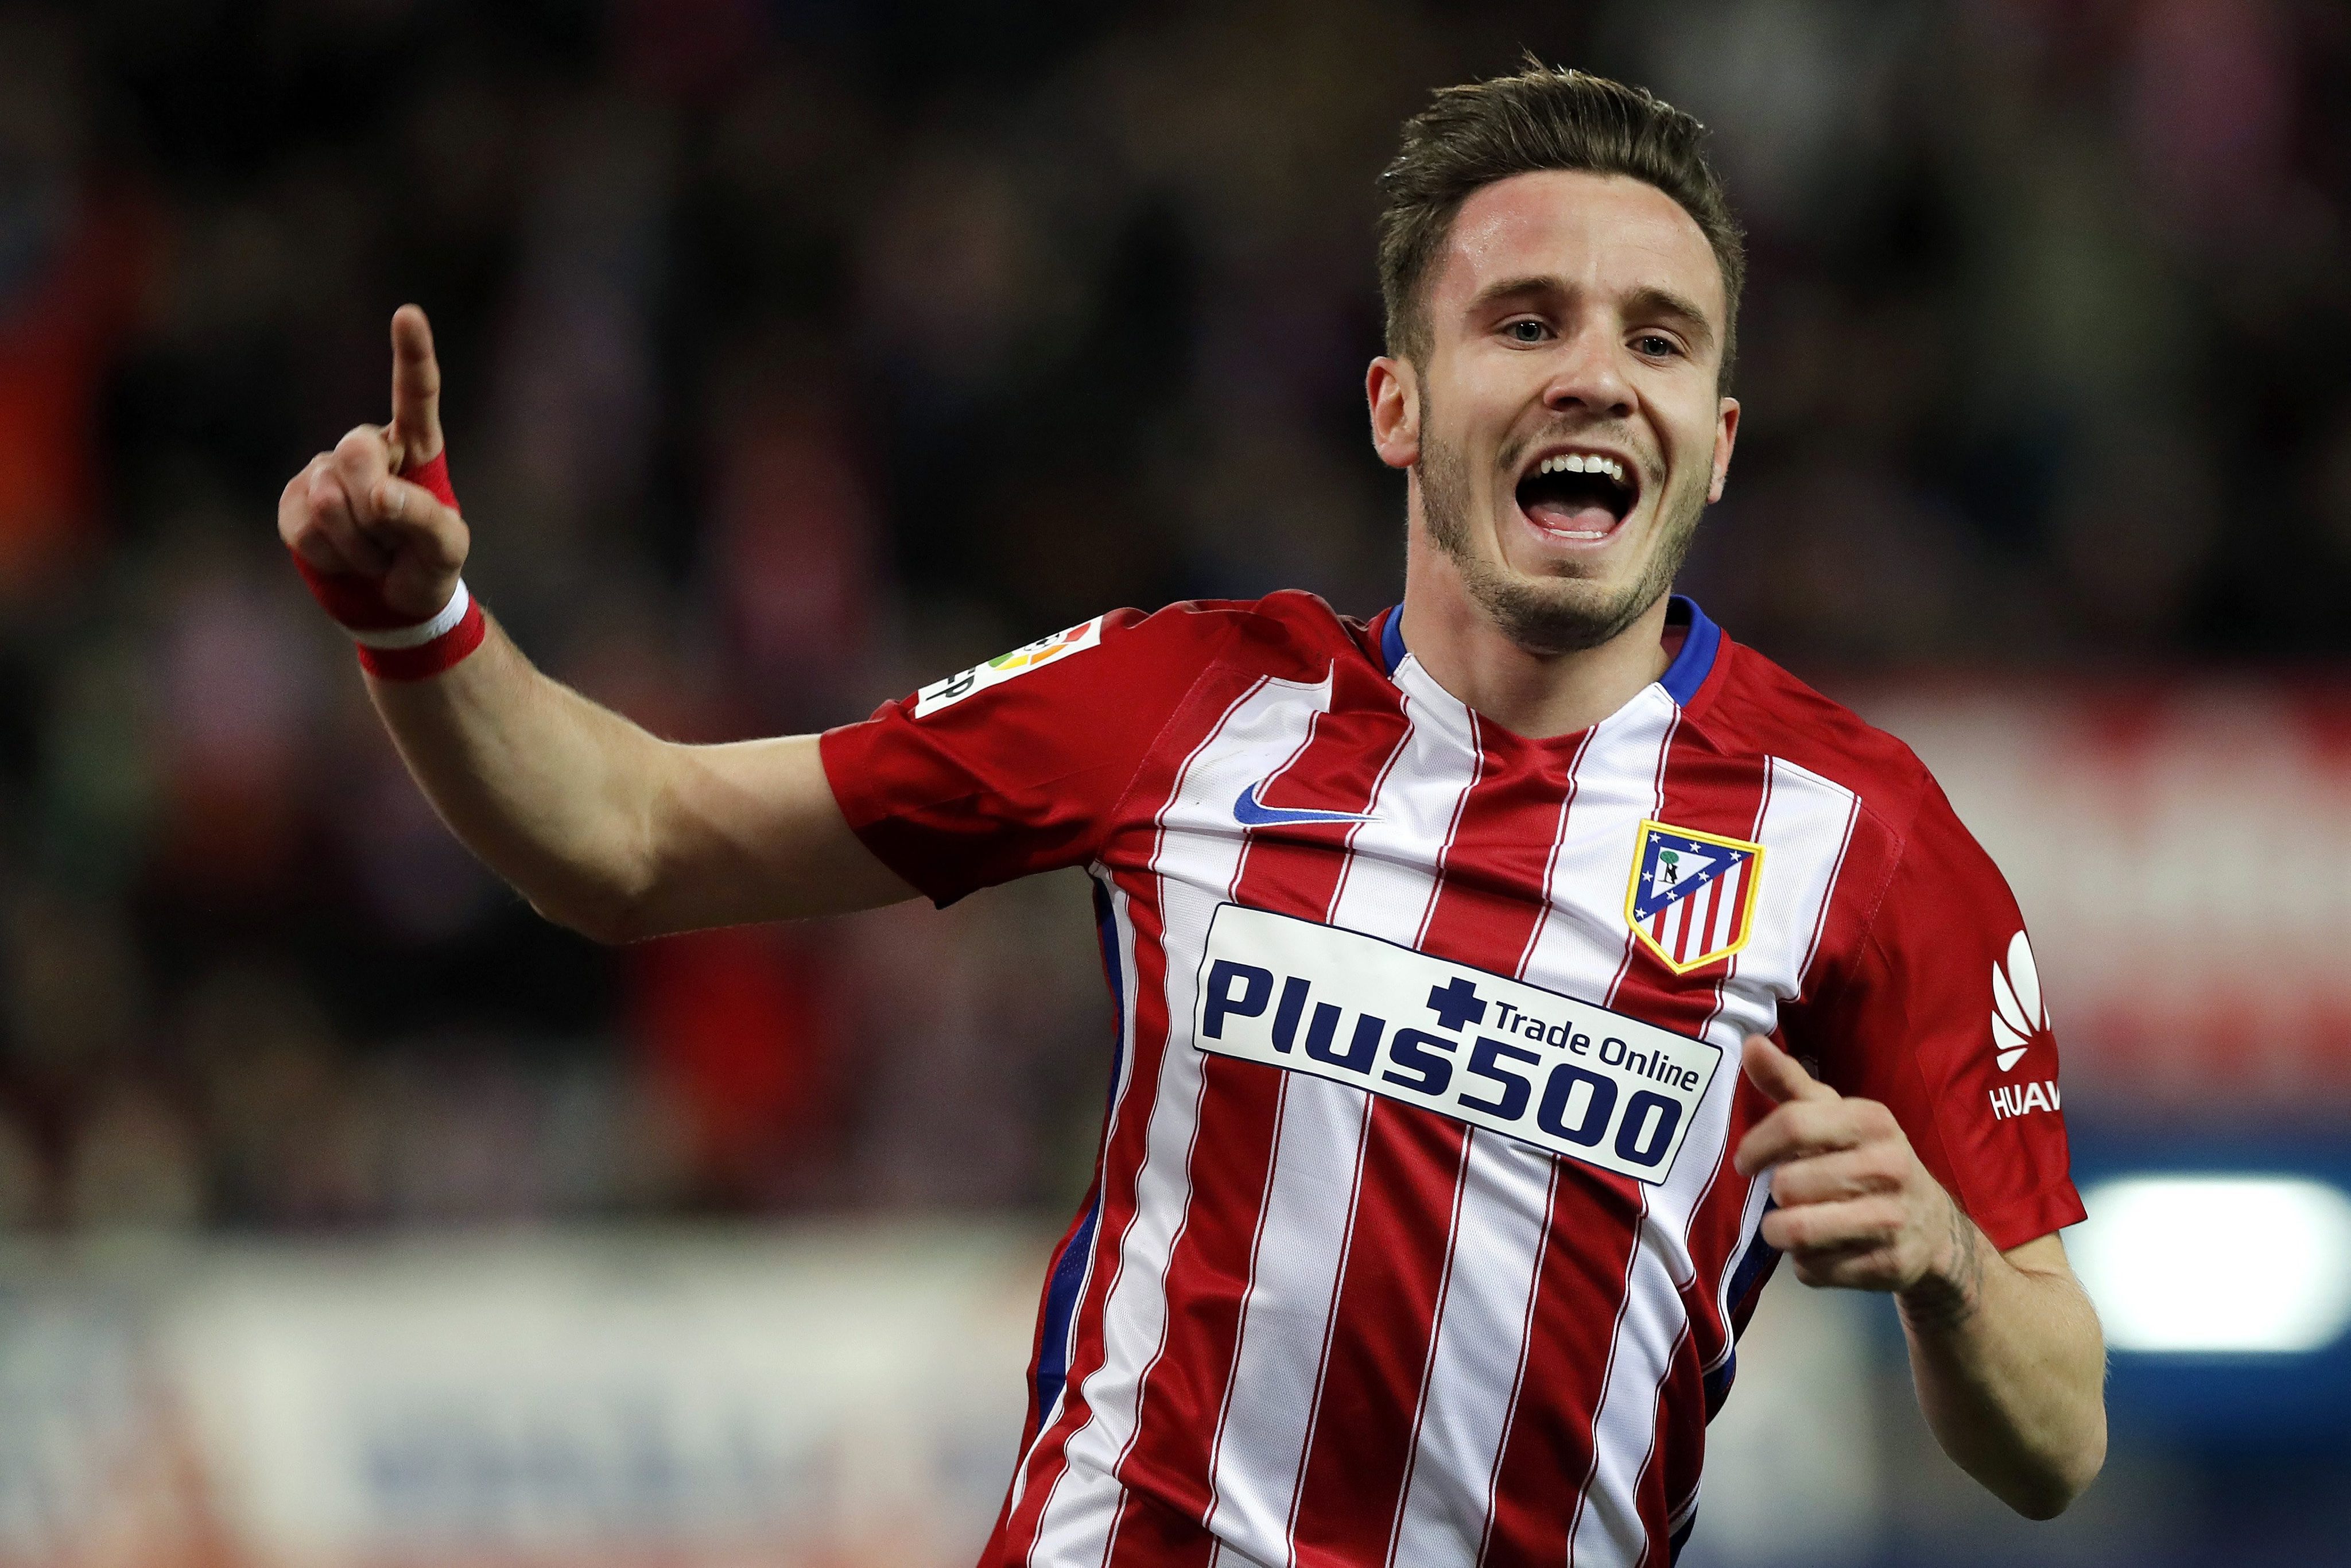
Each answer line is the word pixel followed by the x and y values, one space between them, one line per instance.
pixel 800 351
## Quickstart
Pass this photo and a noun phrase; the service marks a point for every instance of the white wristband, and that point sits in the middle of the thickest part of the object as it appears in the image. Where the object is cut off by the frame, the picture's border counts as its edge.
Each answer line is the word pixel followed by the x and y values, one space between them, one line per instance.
pixel 423 631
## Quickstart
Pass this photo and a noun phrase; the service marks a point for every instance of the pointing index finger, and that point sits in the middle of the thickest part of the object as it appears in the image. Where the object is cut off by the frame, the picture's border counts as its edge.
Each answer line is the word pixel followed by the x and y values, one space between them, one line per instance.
pixel 415 389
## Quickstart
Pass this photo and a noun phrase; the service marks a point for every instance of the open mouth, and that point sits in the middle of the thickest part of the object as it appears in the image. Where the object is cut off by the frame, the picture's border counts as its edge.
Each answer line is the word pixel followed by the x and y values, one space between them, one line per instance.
pixel 1579 496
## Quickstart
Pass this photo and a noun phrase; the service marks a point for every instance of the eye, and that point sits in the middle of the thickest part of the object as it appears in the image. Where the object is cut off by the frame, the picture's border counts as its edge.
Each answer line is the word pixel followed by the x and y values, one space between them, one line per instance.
pixel 1655 345
pixel 1525 329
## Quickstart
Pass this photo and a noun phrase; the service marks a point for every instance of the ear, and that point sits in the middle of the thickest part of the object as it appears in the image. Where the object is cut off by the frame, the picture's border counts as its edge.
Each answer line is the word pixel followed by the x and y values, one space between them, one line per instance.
pixel 1725 436
pixel 1392 388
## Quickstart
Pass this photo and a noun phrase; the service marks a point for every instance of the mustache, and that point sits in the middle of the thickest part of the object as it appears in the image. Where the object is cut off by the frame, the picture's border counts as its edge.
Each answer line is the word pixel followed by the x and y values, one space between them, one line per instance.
pixel 1611 433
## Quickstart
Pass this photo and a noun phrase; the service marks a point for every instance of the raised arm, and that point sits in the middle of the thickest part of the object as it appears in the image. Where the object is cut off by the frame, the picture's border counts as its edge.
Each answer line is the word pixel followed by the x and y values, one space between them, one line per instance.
pixel 603 826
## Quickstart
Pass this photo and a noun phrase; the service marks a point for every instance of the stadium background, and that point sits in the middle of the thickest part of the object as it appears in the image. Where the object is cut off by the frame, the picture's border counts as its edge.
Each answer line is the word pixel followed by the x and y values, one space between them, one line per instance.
pixel 798 352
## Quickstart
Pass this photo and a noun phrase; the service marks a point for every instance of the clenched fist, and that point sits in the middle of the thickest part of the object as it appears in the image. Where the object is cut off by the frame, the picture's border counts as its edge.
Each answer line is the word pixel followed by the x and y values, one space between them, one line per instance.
pixel 350 513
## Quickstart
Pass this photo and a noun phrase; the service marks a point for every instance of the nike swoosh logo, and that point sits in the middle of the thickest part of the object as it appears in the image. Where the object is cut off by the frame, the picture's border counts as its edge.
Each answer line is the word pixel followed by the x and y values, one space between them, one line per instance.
pixel 1251 812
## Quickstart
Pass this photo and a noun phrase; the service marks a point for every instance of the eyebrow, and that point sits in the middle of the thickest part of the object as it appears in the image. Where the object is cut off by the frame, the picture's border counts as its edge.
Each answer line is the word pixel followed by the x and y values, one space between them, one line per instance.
pixel 1649 300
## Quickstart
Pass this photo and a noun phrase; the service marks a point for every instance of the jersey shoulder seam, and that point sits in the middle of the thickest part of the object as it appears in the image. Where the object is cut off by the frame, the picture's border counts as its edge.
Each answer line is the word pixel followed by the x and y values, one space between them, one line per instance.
pixel 1238 613
pixel 1241 613
pixel 1896 768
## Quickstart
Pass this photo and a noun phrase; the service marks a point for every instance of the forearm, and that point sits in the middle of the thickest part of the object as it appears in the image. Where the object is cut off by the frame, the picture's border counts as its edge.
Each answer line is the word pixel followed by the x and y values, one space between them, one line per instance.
pixel 2009 1367
pixel 603 827
pixel 2004 1348
pixel 616 833
pixel 553 792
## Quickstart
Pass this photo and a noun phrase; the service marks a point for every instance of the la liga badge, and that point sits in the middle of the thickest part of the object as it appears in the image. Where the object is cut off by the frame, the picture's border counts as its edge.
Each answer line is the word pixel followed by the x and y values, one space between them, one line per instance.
pixel 1692 898
pixel 1005 666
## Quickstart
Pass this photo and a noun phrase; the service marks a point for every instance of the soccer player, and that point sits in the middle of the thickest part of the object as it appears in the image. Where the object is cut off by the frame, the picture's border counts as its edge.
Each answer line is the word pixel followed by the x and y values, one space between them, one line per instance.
pixel 1502 985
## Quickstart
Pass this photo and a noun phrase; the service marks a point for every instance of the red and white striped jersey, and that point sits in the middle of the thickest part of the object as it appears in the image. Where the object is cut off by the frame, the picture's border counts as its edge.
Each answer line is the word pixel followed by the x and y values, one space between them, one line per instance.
pixel 1415 1237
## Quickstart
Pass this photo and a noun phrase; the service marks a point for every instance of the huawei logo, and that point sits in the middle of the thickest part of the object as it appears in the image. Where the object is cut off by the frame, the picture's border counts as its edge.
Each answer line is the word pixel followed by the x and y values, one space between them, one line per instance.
pixel 2018 1012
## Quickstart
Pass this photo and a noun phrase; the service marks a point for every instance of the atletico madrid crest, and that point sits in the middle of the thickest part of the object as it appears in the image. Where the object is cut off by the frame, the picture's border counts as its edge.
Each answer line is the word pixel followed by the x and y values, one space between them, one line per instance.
pixel 1692 895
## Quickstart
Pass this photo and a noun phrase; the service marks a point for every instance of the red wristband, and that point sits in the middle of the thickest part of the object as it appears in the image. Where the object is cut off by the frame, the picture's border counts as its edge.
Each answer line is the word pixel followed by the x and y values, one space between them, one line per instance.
pixel 392 646
pixel 434 475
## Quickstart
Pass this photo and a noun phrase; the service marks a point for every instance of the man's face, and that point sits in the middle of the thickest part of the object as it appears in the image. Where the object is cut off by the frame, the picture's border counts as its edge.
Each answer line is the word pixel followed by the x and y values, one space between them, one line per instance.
pixel 1566 429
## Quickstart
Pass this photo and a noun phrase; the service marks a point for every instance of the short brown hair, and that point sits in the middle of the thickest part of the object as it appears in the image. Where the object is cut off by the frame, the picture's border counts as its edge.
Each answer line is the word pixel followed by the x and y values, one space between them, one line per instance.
pixel 1480 132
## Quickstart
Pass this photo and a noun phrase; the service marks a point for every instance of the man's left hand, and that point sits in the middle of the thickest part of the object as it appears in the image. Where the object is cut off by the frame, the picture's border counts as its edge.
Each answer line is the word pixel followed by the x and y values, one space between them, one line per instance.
pixel 1856 1206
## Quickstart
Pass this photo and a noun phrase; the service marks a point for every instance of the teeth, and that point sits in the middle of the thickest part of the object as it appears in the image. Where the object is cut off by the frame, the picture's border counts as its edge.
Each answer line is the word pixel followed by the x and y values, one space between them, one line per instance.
pixel 1577 463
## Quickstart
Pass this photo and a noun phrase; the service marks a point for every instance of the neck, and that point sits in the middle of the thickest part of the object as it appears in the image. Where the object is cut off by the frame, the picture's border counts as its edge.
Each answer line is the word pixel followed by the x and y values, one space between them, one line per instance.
pixel 1533 695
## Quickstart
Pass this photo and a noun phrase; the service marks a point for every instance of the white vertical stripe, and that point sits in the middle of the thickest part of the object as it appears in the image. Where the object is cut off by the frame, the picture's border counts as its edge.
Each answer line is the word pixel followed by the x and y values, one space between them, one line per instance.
pixel 1198 854
pixel 1642 786
pixel 1803 824
pixel 1725 925
pixel 1386 890
pixel 1583 941
pixel 1482 1334
pixel 1806 814
pixel 1577 947
pixel 1123 934
pixel 1807 823
pixel 1750 1220
pixel 1286 1318
pixel 1609 1532
pixel 1608 1526
pixel 1390 882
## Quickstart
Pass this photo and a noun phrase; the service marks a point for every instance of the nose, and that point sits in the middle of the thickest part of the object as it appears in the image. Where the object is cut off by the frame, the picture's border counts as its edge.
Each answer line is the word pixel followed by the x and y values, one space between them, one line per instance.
pixel 1586 376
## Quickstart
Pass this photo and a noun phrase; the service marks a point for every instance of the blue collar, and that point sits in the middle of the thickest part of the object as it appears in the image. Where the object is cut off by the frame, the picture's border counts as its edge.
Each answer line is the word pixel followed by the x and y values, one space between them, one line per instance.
pixel 1681 680
pixel 1392 649
pixel 1700 643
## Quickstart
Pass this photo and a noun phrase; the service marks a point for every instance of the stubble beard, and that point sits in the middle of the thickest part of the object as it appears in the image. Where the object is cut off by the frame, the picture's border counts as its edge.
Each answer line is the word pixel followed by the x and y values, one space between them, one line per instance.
pixel 1562 615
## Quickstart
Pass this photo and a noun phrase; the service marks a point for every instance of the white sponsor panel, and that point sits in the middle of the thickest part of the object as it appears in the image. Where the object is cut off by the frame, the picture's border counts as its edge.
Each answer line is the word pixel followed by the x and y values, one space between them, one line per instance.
pixel 1568 1077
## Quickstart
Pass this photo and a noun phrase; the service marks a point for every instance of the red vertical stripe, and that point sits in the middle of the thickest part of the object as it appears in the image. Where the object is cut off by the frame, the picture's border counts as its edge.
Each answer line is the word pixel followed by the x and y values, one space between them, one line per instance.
pixel 1151 1534
pixel 1674 1452
pixel 1122 1155
pixel 1596 1218
pixel 1121 1163
pixel 1579 1292
pixel 1716 1238
pixel 1354 1473
pixel 1726 796
pixel 1291 870
pixel 1489 899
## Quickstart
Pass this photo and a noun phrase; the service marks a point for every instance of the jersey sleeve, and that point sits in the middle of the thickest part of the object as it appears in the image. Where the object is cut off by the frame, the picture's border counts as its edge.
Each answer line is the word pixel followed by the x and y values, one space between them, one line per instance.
pixel 1017 765
pixel 1940 1017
